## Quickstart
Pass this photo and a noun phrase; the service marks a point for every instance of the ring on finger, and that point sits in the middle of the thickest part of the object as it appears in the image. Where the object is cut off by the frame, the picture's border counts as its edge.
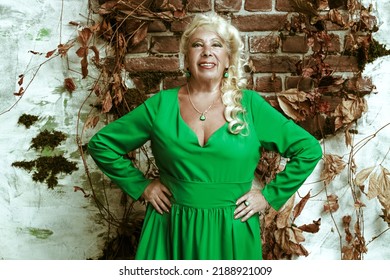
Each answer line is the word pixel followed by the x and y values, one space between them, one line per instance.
pixel 247 203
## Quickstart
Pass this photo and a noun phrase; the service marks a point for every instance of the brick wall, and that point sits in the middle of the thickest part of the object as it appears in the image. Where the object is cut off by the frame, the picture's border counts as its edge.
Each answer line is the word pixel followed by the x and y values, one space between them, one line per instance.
pixel 274 54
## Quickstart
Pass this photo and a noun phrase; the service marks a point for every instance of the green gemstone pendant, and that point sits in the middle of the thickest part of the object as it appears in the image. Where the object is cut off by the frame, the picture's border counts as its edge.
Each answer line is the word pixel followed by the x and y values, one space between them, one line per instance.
pixel 202 117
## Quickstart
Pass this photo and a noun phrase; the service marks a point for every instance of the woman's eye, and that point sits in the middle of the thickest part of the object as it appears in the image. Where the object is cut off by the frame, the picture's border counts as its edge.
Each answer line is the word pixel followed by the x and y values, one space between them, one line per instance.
pixel 196 45
pixel 218 45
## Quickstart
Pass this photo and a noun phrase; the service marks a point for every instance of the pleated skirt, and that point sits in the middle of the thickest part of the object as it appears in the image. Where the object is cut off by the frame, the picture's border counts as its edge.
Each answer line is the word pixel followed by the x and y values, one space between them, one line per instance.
pixel 200 225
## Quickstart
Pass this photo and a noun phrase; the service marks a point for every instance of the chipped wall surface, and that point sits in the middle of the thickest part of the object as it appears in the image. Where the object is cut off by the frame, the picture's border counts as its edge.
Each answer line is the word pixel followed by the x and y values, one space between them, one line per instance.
pixel 42 223
pixel 38 222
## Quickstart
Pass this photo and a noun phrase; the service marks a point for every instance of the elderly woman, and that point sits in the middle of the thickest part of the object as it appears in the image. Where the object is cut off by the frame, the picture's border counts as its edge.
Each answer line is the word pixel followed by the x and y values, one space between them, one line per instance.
pixel 206 138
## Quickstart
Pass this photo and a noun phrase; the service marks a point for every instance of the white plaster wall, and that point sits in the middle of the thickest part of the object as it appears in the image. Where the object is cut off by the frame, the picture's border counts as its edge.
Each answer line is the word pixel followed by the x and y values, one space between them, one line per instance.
pixel 69 220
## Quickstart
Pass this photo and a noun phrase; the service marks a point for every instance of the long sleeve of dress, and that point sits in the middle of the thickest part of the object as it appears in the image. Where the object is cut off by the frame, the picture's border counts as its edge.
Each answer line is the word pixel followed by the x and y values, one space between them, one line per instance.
pixel 277 133
pixel 109 146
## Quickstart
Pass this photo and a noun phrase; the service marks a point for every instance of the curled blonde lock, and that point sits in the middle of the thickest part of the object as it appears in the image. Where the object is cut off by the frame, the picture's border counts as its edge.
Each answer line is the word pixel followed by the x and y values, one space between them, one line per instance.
pixel 232 85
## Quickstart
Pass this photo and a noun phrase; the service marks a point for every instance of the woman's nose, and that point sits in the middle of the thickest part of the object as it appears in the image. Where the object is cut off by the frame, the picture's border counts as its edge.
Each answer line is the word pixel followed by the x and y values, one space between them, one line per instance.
pixel 206 51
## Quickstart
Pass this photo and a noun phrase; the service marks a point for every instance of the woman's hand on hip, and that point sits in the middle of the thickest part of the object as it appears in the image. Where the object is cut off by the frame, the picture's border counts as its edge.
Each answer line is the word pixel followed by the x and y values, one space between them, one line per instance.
pixel 158 195
pixel 249 204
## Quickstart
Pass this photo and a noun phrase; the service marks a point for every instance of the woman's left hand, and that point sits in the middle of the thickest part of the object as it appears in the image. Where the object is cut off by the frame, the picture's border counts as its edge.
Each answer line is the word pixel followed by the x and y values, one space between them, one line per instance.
pixel 249 204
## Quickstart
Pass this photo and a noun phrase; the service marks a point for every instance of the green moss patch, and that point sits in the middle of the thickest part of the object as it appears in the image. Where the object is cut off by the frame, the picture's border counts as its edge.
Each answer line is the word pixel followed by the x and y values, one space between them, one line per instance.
pixel 47 168
pixel 50 139
pixel 27 120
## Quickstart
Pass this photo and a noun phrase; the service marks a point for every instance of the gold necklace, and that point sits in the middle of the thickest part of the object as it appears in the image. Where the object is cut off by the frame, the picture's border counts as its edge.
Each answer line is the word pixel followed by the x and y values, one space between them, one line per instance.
pixel 202 114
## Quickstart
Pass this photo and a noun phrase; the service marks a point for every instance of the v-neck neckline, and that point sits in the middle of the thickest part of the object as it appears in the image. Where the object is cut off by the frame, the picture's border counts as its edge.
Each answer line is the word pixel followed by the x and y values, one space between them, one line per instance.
pixel 190 129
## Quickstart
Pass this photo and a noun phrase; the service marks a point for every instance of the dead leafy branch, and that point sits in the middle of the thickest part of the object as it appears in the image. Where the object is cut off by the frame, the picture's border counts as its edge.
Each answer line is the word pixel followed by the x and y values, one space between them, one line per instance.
pixel 333 102
pixel 282 240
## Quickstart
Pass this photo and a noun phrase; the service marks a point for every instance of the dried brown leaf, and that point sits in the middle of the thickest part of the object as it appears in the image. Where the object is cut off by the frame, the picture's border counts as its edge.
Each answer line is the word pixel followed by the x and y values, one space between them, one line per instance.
pixel 304 6
pixel 347 253
pixel 384 179
pixel 348 110
pixel 96 52
pixel 69 85
pixel 92 122
pixel 21 78
pixel 312 228
pixel 77 188
pixel 363 175
pixel 358 204
pixel 294 235
pixel 322 4
pixel 64 48
pixel 336 17
pixel 84 67
pixel 84 36
pixel 139 35
pixel 20 92
pixel 50 53
pixel 288 239
pixel 331 204
pixel 107 103
pixel 333 166
pixel 74 23
pixel 82 52
pixel 34 52
pixel 307 72
pixel 293 104
pixel 384 195
pixel 300 205
pixel 374 188
pixel 283 218
pixel 348 137
pixel 386 216
pixel 179 13
pixel 106 29
pixel 118 89
pixel 107 7
pixel 346 221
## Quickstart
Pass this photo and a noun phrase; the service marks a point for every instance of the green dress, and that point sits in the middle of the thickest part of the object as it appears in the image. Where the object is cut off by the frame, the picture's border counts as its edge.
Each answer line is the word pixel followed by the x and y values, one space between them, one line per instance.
pixel 205 181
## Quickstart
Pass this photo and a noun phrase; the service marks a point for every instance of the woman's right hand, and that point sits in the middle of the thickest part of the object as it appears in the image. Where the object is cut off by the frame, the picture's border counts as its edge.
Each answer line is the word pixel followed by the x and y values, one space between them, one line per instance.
pixel 158 195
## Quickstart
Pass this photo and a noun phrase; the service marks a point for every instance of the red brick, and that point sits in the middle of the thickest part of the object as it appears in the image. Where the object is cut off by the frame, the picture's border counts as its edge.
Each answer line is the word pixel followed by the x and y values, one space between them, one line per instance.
pixel 165 44
pixel 227 5
pixel 295 44
pixel 249 81
pixel 283 6
pixel 341 63
pixel 142 47
pixel 181 24
pixel 275 63
pixel 171 82
pixel 142 86
pixel 199 5
pixel 333 44
pixel 264 44
pixel 157 26
pixel 151 64
pixel 301 83
pixel 259 22
pixel 256 5
pixel 268 84
pixel 340 5
pixel 176 4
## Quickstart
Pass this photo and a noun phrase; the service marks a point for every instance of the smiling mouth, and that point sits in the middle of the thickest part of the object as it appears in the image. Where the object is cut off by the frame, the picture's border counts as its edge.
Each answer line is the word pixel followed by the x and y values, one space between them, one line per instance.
pixel 207 65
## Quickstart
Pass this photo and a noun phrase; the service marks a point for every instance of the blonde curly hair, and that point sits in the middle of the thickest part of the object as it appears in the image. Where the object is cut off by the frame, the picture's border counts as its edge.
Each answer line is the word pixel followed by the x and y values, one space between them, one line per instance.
pixel 232 85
